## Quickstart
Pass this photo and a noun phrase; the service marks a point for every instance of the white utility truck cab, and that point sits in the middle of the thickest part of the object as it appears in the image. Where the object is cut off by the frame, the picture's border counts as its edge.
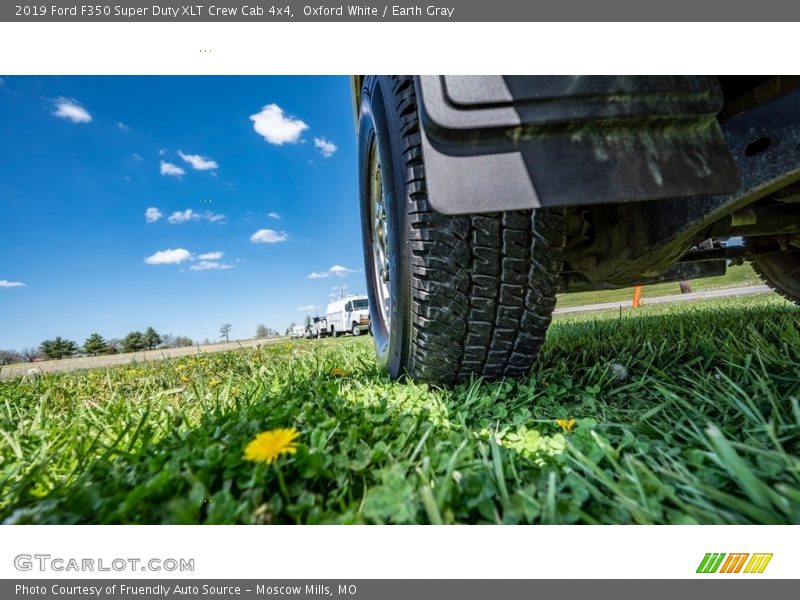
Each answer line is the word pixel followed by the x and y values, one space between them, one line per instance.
pixel 298 331
pixel 348 314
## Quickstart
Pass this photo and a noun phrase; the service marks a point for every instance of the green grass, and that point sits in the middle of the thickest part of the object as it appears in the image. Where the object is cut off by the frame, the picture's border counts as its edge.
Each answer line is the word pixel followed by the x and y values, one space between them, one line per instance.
pixel 684 415
pixel 736 276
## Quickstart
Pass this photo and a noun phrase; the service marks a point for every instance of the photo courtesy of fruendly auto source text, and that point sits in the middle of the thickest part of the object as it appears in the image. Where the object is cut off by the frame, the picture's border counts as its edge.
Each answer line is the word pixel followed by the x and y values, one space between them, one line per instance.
pixel 544 285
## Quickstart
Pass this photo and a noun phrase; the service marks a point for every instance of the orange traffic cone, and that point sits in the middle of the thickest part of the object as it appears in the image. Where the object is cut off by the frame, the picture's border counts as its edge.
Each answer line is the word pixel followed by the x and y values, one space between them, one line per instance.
pixel 637 297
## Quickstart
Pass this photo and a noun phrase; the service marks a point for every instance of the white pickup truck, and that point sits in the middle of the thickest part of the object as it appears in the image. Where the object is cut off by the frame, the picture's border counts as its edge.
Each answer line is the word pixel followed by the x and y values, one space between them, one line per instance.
pixel 348 314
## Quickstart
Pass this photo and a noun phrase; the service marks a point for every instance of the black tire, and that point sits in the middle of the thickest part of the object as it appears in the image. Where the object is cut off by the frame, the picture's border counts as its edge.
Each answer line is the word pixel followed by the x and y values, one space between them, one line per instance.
pixel 779 270
pixel 470 294
pixel 355 330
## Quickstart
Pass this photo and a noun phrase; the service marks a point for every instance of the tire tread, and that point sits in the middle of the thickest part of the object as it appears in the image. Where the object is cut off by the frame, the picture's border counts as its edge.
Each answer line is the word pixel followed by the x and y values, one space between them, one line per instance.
pixel 483 285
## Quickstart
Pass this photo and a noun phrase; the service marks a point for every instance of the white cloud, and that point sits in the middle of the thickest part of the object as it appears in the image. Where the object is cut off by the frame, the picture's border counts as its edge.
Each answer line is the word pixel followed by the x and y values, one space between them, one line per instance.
pixel 168 257
pixel 136 158
pixel 325 147
pixel 274 215
pixel 210 265
pixel 184 216
pixel 208 261
pixel 198 162
pixel 268 236
pixel 167 168
pixel 162 151
pixel 337 270
pixel 152 214
pixel 307 307
pixel 122 127
pixel 277 128
pixel 72 111
pixel 340 270
pixel 4 283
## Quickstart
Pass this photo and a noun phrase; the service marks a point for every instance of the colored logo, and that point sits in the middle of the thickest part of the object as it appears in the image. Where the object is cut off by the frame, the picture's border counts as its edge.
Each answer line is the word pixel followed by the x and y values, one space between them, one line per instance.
pixel 742 562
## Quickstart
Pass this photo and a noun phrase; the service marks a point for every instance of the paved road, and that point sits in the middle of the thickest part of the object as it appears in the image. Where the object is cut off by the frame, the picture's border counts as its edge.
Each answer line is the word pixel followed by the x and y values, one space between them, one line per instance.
pixel 749 290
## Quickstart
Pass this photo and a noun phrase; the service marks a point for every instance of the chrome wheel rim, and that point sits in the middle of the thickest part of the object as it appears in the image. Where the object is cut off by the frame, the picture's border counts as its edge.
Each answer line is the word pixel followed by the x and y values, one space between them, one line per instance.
pixel 380 238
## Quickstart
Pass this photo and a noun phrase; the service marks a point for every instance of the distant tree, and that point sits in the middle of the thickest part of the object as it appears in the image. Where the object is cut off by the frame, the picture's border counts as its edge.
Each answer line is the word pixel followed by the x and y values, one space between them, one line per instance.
pixel 94 344
pixel 58 348
pixel 261 332
pixel 181 341
pixel 151 338
pixel 113 346
pixel 308 322
pixel 167 340
pixel 225 331
pixel 30 354
pixel 8 357
pixel 70 348
pixel 133 342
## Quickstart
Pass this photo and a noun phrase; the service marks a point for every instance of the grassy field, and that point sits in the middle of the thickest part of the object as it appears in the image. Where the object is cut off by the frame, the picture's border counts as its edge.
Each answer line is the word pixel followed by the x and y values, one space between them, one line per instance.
pixel 123 358
pixel 736 276
pixel 670 415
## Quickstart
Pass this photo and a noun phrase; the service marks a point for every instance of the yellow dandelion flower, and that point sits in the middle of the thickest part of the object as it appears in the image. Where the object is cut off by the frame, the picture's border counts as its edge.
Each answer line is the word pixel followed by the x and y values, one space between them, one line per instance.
pixel 214 383
pixel 566 424
pixel 184 379
pixel 269 445
pixel 337 372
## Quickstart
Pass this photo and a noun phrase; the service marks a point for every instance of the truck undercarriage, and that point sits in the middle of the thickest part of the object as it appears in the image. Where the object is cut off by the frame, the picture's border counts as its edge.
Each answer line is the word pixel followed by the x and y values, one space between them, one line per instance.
pixel 612 245
pixel 655 172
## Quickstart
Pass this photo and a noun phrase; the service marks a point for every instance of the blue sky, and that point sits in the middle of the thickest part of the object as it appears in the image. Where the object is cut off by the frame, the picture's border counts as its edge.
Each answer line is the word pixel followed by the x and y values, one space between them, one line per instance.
pixel 180 203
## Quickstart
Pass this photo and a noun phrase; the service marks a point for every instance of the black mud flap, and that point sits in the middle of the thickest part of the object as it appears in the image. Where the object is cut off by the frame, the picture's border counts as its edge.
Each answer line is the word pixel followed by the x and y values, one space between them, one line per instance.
pixel 518 142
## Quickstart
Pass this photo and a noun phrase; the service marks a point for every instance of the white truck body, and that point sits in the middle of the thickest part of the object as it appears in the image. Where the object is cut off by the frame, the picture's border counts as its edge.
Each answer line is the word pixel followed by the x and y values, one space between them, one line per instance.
pixel 318 329
pixel 348 315
pixel 298 331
